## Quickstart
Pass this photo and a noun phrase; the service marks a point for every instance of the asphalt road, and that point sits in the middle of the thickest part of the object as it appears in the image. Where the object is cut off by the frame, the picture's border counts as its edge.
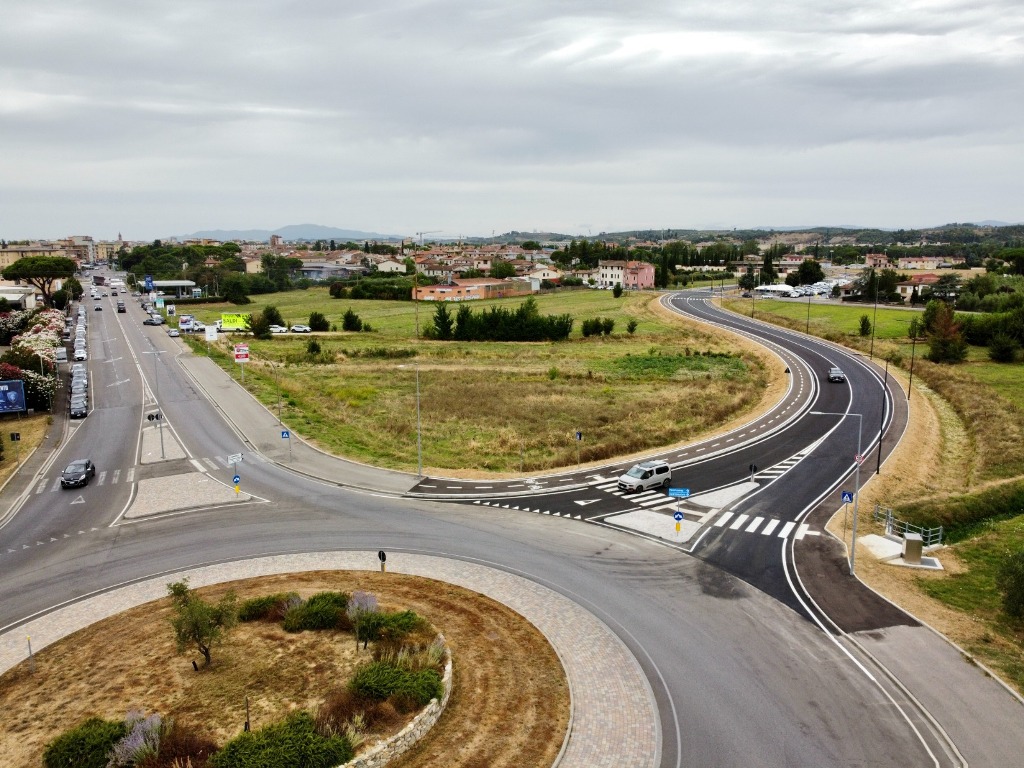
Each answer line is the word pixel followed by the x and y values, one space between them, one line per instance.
pixel 744 672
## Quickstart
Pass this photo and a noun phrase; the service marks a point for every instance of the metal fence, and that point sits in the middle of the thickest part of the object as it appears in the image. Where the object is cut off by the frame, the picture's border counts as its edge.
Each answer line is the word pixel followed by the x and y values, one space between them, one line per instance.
pixel 894 527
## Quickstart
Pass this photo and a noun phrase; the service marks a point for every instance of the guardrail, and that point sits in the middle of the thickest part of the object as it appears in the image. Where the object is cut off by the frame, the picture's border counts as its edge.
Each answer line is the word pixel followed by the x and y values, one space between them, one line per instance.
pixel 893 527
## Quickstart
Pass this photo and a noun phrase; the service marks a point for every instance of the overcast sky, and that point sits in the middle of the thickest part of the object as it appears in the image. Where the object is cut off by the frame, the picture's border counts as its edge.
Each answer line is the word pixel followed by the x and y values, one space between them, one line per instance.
pixel 155 118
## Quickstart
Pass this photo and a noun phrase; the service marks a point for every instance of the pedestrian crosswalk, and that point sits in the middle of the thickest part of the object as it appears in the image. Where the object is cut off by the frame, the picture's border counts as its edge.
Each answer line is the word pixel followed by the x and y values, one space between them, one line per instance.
pixel 127 475
pixel 753 524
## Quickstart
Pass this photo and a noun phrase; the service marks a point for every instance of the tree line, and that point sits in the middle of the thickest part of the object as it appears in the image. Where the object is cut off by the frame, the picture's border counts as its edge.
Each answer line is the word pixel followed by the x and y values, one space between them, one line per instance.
pixel 524 323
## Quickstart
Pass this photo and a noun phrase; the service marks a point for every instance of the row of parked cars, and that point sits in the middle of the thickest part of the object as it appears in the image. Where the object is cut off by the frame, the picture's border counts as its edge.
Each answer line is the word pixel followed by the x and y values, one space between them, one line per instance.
pixel 78 382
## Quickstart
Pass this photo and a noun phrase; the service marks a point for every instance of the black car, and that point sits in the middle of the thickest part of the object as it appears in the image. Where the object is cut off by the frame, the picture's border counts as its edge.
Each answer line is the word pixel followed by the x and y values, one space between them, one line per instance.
pixel 78 409
pixel 98 308
pixel 77 473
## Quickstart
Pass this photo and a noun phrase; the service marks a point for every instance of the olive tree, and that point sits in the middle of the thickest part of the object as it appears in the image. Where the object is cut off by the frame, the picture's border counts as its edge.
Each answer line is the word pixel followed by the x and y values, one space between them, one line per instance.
pixel 199 623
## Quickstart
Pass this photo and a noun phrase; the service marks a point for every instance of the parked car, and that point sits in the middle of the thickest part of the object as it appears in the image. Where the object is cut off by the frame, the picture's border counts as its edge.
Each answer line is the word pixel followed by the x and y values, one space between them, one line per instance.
pixel 646 474
pixel 278 329
pixel 153 320
pixel 77 473
pixel 198 326
pixel 301 329
pixel 80 355
pixel 834 374
pixel 79 409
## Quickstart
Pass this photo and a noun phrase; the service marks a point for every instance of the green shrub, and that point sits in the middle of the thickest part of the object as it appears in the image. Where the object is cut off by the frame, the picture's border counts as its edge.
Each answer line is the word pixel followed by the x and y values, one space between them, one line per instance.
pixel 293 743
pixel 318 321
pixel 85 746
pixel 266 608
pixel 324 610
pixel 388 627
pixel 381 680
pixel 960 516
pixel 1010 580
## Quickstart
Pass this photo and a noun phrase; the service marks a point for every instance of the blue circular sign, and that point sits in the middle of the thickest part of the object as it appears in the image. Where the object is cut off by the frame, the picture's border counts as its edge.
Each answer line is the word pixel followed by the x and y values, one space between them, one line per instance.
pixel 678 516
pixel 236 480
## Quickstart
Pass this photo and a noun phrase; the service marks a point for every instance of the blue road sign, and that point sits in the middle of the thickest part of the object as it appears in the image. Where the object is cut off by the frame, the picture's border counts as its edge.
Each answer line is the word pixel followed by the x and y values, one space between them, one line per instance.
pixel 847 497
pixel 285 435
pixel 679 493
pixel 236 480
pixel 678 516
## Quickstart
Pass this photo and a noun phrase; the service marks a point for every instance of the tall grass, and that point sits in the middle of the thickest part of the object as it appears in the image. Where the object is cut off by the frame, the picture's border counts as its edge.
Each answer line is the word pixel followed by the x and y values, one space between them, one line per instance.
pixel 504 407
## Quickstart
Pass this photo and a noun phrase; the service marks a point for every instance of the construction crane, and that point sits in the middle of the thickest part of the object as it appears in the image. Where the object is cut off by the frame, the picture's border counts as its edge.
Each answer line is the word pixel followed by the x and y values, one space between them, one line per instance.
pixel 421 234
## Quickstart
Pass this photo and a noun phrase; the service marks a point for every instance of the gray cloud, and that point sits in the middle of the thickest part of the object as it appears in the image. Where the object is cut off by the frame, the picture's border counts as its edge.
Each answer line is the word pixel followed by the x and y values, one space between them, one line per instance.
pixel 159 118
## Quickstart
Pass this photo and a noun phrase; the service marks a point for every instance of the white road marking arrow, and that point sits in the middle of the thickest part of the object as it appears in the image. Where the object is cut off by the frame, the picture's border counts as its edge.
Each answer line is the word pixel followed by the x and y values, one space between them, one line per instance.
pixel 588 501
pixel 79 500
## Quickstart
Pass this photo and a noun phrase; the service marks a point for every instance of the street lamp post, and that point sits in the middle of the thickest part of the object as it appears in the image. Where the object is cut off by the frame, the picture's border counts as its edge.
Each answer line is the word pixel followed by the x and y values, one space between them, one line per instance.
pixel 807 330
pixel 913 348
pixel 874 320
pixel 881 426
pixel 156 397
pixel 419 428
pixel 856 482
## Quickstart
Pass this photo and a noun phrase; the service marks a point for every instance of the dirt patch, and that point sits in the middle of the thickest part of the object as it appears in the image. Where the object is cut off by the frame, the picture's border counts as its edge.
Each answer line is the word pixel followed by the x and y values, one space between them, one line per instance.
pixel 509 703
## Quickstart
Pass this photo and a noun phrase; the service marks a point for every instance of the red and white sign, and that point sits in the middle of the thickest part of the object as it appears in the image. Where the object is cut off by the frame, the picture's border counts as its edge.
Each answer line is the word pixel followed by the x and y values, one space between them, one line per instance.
pixel 241 353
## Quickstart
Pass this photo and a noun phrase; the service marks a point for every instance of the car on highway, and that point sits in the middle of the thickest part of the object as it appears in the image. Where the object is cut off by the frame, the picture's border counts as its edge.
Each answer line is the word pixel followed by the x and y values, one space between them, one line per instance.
pixel 77 473
pixel 173 332
pixel 98 308
pixel 836 375
pixel 278 329
pixel 301 329
pixel 647 474
pixel 153 320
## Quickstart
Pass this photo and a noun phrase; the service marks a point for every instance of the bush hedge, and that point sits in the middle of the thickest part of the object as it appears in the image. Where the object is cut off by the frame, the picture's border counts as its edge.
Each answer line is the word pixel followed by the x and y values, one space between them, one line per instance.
pixel 293 743
pixel 324 610
pixel 267 608
pixel 382 680
pixel 960 516
pixel 86 746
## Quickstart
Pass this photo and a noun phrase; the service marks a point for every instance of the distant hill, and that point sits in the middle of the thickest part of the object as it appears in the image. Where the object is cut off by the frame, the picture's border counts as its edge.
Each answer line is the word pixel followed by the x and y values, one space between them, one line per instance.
pixel 290 232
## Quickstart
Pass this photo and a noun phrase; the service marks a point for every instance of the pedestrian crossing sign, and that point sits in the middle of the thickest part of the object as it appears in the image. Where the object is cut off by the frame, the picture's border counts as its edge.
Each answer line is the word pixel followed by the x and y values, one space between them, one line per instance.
pixel 847 497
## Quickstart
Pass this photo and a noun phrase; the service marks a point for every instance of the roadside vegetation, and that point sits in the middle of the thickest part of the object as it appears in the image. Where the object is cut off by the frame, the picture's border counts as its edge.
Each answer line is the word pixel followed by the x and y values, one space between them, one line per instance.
pixel 974 486
pixel 310 693
pixel 491 406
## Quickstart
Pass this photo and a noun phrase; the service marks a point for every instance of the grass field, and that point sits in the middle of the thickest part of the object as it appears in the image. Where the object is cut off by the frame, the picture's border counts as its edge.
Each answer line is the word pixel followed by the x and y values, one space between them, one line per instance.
pixel 496 407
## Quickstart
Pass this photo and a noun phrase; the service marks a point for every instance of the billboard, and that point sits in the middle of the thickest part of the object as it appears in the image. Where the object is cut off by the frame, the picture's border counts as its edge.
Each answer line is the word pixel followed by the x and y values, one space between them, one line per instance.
pixel 148 283
pixel 12 396
pixel 234 322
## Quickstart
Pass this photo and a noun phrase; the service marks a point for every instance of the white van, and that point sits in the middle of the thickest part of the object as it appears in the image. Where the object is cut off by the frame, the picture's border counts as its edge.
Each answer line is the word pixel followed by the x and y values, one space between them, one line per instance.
pixel 646 474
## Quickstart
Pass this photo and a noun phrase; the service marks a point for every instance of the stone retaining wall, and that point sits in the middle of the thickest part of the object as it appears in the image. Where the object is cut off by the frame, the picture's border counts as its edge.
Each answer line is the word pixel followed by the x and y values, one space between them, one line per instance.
pixel 383 752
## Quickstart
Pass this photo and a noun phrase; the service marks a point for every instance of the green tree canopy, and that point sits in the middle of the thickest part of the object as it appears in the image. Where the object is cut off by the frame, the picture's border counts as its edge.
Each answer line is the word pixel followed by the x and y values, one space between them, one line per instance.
pixel 197 622
pixel 501 269
pixel 41 272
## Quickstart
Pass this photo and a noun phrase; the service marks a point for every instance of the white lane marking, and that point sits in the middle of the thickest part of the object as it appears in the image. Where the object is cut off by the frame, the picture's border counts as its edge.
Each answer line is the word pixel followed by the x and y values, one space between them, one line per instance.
pixel 198 465
pixel 739 521
pixel 723 519
pixel 767 530
pixel 786 529
pixel 102 477
pixel 116 476
pixel 754 523
pixel 131 475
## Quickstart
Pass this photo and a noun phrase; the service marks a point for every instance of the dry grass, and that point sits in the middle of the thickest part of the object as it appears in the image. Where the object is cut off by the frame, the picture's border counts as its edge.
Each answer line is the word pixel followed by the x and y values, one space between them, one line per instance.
pixel 501 408
pixel 32 429
pixel 504 672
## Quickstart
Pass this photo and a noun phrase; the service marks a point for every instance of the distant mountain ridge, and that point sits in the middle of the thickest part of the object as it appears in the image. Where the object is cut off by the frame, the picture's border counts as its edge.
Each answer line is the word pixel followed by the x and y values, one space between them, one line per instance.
pixel 290 232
